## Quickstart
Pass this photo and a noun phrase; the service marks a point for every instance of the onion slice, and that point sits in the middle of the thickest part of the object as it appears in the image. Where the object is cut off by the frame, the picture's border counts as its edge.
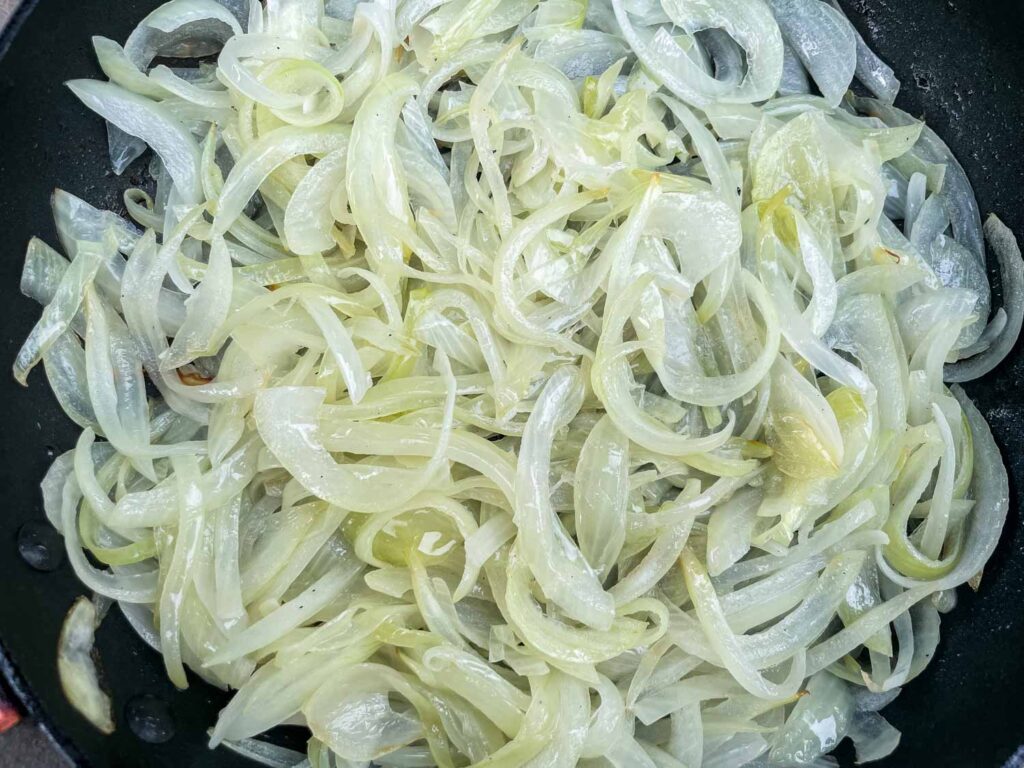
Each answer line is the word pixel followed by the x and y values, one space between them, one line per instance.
pixel 78 669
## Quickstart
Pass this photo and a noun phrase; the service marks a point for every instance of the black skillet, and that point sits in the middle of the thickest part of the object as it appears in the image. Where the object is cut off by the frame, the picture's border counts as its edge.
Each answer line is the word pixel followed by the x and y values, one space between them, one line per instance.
pixel 962 66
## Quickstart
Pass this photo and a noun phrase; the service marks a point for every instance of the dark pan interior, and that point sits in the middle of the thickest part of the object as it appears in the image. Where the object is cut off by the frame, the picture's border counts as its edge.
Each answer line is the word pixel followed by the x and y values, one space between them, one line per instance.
pixel 962 66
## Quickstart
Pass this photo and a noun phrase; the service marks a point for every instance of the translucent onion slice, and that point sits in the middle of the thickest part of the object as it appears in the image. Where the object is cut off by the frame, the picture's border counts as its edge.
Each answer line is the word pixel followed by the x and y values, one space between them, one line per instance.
pixel 77 668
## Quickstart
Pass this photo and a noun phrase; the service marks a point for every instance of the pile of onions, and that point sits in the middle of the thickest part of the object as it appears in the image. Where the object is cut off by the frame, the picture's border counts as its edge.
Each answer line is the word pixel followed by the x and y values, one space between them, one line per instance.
pixel 523 383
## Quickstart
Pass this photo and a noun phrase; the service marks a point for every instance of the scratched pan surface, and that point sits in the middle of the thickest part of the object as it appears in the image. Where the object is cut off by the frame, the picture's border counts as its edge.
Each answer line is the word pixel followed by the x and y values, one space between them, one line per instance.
pixel 962 65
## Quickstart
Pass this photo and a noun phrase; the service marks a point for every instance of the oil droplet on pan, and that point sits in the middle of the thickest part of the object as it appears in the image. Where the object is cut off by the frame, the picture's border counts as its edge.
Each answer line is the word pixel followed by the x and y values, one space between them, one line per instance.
pixel 150 718
pixel 40 546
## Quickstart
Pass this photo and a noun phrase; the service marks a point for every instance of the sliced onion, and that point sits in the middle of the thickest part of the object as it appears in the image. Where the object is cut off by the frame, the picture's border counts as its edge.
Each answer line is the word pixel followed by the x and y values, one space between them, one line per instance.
pixel 151 123
pixel 77 666
pixel 1011 268
pixel 533 383
pixel 825 41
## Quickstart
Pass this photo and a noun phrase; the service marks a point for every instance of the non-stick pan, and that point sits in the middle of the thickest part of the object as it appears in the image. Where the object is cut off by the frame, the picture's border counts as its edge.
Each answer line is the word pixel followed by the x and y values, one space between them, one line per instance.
pixel 962 66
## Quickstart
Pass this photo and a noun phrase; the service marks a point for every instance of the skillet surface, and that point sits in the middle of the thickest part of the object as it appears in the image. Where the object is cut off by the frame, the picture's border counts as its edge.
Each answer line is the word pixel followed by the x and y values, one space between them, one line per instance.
pixel 962 66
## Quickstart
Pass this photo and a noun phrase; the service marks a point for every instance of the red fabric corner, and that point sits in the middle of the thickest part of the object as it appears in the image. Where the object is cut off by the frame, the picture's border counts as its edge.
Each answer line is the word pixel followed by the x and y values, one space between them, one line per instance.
pixel 9 717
